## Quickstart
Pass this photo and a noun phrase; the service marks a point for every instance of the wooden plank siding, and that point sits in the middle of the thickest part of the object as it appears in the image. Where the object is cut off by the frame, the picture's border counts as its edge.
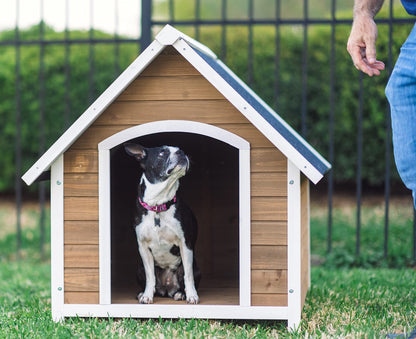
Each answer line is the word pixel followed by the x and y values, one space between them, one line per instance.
pixel 81 259
pixel 170 88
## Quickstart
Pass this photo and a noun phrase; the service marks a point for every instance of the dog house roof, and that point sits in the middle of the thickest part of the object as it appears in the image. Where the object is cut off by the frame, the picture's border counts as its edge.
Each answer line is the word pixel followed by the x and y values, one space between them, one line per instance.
pixel 265 119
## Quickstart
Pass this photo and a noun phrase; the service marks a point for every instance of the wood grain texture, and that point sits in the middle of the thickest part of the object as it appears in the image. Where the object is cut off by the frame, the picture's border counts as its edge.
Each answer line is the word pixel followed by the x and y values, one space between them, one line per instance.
pixel 269 184
pixel 170 65
pixel 81 256
pixel 81 232
pixel 207 296
pixel 81 280
pixel 81 297
pixel 170 88
pixel 81 208
pixel 268 257
pixel 81 161
pixel 269 299
pixel 81 185
pixel 268 209
pixel 88 142
pixel 269 233
pixel 268 160
pixel 249 133
pixel 138 112
pixel 269 281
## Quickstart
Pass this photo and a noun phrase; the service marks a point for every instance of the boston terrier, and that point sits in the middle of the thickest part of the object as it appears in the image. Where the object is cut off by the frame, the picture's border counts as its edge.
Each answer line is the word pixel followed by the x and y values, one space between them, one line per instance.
pixel 166 228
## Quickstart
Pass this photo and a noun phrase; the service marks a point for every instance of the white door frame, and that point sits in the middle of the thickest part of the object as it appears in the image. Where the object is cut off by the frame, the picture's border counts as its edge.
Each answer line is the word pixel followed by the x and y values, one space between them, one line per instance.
pixel 183 126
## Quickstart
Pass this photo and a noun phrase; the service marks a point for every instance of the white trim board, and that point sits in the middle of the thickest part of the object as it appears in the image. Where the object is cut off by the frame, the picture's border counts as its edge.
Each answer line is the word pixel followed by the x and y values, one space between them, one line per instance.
pixel 293 245
pixel 57 238
pixel 182 126
pixel 176 311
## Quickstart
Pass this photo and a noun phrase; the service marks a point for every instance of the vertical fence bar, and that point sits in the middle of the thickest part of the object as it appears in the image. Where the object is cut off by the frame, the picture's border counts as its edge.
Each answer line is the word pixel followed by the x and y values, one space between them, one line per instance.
pixel 197 18
pixel 146 24
pixel 359 164
pixel 331 126
pixel 91 57
pixel 304 69
pixel 42 192
pixel 250 43
pixel 388 143
pixel 171 12
pixel 67 98
pixel 224 30
pixel 116 43
pixel 18 141
pixel 277 56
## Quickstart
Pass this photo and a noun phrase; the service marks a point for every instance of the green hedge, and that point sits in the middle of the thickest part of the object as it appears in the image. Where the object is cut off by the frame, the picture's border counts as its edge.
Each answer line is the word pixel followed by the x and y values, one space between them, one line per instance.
pixel 268 77
pixel 105 70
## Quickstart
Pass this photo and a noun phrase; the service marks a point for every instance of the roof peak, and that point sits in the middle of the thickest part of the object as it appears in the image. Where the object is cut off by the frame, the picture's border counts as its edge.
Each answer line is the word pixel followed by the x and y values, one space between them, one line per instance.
pixel 169 35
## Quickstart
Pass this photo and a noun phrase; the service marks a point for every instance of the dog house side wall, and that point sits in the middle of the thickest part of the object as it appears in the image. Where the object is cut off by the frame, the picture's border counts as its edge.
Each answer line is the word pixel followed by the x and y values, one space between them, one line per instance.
pixel 170 88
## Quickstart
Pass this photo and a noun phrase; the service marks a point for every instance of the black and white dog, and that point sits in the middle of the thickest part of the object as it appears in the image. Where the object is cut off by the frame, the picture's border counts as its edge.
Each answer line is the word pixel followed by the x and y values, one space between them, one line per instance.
pixel 166 228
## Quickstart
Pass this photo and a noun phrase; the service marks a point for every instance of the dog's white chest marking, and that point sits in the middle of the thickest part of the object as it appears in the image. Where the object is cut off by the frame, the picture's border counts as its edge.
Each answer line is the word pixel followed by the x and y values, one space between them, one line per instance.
pixel 161 238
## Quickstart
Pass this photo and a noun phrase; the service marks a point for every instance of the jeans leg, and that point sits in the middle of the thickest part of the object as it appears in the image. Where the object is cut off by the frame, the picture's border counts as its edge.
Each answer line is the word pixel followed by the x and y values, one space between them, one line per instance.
pixel 401 93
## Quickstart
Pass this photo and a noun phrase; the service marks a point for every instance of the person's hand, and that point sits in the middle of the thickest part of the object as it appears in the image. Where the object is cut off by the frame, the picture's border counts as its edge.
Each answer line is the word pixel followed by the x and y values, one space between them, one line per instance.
pixel 362 46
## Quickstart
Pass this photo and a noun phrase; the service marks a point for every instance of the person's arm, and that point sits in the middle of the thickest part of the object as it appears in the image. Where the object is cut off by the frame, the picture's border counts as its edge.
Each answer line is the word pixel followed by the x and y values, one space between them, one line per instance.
pixel 362 41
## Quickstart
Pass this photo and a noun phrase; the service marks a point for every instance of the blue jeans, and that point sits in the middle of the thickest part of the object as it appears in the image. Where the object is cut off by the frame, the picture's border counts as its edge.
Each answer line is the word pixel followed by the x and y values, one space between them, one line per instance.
pixel 401 93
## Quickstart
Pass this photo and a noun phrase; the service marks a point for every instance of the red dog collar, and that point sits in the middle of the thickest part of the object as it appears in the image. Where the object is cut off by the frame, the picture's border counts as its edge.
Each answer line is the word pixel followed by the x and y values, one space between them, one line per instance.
pixel 158 208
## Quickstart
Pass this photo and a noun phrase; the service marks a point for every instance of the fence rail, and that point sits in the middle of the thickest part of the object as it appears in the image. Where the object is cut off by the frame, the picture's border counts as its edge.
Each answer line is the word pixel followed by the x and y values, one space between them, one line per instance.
pixel 148 24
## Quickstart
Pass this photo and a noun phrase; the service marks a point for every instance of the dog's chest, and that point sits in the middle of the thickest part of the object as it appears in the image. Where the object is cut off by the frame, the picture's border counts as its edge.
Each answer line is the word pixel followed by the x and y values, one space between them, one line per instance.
pixel 161 232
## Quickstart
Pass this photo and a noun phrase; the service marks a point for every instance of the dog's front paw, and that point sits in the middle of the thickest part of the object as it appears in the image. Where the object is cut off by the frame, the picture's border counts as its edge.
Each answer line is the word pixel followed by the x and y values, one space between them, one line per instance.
pixel 192 299
pixel 144 299
pixel 179 296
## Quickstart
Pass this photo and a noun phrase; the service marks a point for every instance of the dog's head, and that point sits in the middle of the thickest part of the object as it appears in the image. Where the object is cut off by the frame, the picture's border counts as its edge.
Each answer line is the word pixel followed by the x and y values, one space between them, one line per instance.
pixel 159 163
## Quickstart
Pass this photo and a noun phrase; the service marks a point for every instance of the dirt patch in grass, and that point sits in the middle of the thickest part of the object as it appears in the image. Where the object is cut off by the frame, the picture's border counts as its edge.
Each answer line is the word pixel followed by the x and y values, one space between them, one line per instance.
pixel 347 202
pixel 29 217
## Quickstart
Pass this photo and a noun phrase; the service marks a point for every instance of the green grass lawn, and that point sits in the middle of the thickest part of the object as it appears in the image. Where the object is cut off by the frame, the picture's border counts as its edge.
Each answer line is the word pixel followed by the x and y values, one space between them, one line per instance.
pixel 342 302
pixel 400 239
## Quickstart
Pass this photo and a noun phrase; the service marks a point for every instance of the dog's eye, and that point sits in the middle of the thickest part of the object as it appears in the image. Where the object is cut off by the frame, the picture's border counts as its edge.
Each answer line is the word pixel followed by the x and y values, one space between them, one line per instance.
pixel 162 153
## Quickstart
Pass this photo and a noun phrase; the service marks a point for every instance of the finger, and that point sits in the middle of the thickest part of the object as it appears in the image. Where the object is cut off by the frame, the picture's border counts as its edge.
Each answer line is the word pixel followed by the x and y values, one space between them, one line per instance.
pixel 363 66
pixel 367 69
pixel 370 50
pixel 373 71
pixel 379 65
pixel 375 68
pixel 356 57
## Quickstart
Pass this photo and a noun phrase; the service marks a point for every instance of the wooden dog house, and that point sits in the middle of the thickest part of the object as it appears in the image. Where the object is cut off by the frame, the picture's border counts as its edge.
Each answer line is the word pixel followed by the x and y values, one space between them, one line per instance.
pixel 248 186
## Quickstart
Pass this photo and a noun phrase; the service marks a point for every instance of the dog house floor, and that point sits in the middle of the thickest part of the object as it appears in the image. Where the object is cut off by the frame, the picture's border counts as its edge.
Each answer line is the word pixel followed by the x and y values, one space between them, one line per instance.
pixel 208 295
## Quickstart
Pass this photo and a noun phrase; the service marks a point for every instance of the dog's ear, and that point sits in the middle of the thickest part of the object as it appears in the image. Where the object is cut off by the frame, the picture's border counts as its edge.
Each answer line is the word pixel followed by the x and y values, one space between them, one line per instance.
pixel 135 150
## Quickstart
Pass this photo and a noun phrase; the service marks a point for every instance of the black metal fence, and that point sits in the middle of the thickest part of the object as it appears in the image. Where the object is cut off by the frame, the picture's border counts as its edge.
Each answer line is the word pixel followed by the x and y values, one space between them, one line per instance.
pixel 151 18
